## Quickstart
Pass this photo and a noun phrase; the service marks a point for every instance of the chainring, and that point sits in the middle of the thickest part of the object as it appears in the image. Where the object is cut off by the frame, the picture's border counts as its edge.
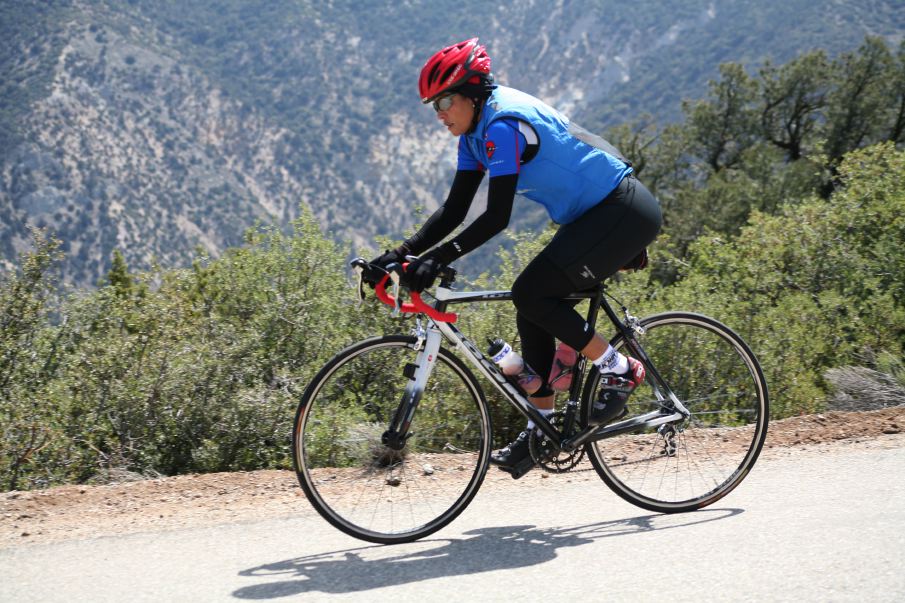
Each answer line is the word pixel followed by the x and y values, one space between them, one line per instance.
pixel 545 454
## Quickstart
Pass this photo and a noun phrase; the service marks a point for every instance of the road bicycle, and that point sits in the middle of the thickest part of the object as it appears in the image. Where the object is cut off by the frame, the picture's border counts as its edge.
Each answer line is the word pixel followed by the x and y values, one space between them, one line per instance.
pixel 392 437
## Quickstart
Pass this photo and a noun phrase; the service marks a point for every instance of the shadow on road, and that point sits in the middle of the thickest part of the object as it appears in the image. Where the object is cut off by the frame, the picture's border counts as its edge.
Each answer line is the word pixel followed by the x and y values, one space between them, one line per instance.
pixel 488 549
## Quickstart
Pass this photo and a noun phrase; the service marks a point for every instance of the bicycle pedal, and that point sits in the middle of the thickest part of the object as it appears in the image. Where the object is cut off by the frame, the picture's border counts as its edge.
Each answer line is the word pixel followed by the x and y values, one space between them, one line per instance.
pixel 518 470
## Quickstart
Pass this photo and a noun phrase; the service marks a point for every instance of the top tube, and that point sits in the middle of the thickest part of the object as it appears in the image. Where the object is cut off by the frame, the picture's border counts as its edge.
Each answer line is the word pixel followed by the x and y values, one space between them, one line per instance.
pixel 445 295
pixel 459 297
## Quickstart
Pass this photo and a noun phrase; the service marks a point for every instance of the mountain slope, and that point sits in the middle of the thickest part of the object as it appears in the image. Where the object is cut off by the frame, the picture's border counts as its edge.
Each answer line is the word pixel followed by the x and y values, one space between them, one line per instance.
pixel 158 126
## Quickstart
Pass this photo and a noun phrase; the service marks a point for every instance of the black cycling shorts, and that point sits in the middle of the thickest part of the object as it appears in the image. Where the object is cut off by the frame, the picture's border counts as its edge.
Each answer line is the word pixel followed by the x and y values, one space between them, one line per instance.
pixel 581 254
pixel 607 236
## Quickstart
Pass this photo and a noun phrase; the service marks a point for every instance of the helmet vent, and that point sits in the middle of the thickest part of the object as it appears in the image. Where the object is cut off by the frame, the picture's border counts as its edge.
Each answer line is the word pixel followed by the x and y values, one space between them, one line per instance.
pixel 462 63
pixel 448 73
pixel 432 76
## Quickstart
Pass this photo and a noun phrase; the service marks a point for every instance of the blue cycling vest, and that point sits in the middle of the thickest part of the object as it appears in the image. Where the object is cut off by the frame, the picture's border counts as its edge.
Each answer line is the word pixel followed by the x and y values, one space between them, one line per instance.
pixel 572 171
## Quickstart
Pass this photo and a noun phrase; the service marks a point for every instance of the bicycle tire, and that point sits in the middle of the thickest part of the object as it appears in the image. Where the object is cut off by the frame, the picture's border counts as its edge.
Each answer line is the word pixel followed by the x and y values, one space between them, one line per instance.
pixel 364 488
pixel 700 460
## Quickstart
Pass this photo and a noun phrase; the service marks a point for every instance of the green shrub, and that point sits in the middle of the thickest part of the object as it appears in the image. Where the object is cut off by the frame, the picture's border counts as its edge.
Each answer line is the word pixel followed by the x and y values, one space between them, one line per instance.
pixel 201 369
pixel 814 286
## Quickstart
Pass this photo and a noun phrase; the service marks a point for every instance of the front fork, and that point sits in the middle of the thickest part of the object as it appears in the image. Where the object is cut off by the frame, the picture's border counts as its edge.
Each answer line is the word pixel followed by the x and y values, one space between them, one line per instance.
pixel 428 344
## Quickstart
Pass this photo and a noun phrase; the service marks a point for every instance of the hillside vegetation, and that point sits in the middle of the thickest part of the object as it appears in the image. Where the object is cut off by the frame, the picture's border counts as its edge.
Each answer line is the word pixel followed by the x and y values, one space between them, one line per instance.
pixel 200 369
pixel 157 126
pixel 784 205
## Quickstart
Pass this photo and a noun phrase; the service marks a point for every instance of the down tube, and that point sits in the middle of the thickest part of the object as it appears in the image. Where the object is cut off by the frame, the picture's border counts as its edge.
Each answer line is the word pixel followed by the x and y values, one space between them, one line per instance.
pixel 487 369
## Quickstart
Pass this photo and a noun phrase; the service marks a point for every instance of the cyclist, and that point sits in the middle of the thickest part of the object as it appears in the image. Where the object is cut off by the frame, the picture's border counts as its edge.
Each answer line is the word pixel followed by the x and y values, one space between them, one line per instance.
pixel 606 216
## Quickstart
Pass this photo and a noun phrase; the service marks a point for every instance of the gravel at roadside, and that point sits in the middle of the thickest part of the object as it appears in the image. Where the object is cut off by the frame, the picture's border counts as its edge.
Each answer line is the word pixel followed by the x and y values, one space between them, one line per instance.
pixel 80 512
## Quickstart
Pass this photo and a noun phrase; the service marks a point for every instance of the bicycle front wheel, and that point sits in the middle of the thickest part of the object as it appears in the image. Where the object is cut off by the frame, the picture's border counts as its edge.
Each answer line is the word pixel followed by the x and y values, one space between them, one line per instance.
pixel 689 464
pixel 371 491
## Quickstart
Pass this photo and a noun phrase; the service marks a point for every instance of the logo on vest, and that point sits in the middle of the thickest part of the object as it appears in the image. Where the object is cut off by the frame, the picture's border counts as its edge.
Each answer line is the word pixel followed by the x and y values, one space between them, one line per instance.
pixel 491 148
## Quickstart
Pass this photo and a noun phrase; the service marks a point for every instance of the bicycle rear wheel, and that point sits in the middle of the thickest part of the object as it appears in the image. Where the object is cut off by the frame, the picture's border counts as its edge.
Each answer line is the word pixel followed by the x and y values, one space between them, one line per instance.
pixel 693 463
pixel 361 486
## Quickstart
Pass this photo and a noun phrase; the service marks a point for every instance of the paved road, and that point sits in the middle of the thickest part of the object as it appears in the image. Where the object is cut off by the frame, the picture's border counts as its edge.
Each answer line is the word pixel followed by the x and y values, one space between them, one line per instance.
pixel 813 527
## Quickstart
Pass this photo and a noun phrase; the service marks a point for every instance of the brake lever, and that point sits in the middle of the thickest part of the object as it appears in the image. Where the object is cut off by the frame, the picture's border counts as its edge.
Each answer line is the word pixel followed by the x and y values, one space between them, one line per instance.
pixel 361 285
pixel 358 266
pixel 395 272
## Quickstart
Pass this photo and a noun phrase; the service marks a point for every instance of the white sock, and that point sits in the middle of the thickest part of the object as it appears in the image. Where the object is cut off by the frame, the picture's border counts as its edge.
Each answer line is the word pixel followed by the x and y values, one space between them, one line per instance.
pixel 612 362
pixel 546 412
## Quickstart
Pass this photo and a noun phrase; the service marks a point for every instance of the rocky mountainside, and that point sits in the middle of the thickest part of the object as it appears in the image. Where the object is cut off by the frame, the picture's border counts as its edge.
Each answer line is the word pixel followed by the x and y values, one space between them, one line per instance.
pixel 160 127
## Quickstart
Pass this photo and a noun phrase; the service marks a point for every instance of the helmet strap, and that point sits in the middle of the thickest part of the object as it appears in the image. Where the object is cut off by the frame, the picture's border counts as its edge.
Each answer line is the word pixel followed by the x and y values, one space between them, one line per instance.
pixel 478 106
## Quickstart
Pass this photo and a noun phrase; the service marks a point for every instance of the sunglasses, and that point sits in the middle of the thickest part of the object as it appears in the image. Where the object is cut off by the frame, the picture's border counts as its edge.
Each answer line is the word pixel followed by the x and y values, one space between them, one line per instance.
pixel 443 103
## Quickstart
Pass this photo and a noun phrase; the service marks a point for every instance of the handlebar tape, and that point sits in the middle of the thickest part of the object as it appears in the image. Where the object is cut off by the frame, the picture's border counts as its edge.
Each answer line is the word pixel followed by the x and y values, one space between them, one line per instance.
pixel 418 305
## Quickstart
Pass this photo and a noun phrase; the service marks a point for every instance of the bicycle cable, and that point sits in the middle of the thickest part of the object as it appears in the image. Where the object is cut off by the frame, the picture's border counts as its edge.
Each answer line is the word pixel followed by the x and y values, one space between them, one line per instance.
pixel 622 306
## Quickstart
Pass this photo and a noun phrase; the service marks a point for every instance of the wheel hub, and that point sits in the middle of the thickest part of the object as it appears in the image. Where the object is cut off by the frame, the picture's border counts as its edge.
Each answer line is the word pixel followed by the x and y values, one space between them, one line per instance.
pixel 394 440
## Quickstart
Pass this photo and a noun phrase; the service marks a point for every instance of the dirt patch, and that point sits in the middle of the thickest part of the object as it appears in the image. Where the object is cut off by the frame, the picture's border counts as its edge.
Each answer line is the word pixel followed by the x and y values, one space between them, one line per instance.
pixel 79 512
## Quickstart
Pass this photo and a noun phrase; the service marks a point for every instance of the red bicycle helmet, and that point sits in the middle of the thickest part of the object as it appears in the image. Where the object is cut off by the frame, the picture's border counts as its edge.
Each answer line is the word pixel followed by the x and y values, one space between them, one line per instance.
pixel 465 62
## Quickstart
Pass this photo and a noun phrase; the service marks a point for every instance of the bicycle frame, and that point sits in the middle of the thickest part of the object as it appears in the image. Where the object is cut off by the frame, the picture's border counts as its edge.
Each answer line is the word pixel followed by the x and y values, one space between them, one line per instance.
pixel 430 337
pixel 669 462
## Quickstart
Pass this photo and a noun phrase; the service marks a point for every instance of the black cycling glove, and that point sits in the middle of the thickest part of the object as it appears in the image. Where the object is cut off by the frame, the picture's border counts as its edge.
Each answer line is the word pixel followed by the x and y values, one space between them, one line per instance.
pixel 421 273
pixel 396 255
pixel 372 277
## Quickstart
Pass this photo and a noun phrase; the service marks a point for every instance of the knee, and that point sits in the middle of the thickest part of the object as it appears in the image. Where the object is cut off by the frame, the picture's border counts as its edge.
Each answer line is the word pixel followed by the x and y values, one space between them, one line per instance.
pixel 526 296
pixel 521 293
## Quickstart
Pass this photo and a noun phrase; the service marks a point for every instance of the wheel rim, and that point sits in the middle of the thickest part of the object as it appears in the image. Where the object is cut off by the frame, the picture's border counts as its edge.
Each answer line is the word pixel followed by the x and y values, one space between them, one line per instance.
pixel 695 462
pixel 368 489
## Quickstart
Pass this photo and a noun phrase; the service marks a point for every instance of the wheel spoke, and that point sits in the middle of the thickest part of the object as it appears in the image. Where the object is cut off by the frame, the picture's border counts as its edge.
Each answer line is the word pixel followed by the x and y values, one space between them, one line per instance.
pixel 364 487
pixel 717 378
